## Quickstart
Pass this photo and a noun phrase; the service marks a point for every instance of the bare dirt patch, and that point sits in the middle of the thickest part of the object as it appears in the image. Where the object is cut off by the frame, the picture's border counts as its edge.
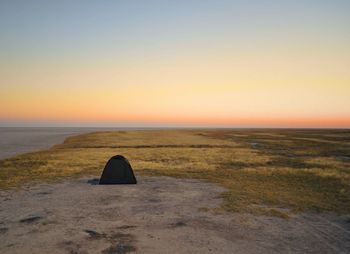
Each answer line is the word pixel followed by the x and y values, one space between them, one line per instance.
pixel 158 215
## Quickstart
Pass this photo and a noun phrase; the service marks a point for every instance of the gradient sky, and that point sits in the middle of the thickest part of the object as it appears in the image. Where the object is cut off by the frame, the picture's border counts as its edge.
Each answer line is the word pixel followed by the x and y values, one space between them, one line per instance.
pixel 175 63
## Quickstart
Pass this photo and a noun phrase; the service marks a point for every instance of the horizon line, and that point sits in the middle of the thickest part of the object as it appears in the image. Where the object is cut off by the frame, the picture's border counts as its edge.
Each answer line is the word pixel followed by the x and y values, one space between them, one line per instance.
pixel 177 127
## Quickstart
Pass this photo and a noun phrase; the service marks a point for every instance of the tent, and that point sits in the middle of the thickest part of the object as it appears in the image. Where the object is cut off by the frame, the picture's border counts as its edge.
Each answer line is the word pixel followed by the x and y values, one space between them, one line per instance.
pixel 117 171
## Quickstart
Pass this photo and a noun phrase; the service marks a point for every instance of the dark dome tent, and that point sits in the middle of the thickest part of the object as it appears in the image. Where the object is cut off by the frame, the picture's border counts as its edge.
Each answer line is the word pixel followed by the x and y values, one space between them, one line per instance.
pixel 118 171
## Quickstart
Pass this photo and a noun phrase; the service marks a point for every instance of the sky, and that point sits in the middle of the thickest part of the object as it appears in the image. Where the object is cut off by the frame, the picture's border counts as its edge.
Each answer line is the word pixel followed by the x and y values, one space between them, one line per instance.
pixel 208 63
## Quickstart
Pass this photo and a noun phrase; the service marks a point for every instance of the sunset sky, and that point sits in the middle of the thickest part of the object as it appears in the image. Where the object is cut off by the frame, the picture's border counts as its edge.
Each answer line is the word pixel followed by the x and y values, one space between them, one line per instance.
pixel 175 63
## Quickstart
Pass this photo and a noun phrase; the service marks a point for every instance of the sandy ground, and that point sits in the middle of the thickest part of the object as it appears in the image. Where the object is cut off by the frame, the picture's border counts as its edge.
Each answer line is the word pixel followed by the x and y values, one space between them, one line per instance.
pixel 21 140
pixel 158 215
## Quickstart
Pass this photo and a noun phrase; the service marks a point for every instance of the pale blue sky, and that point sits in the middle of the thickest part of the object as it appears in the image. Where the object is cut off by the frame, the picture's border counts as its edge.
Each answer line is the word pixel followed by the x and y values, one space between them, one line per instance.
pixel 77 29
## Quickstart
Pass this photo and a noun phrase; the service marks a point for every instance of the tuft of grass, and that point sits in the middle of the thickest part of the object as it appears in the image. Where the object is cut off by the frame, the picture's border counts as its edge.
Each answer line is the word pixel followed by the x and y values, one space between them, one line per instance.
pixel 266 172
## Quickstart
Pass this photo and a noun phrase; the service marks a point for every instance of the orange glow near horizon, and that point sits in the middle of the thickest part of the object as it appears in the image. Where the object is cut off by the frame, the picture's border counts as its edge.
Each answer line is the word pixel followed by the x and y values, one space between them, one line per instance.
pixel 232 101
pixel 314 103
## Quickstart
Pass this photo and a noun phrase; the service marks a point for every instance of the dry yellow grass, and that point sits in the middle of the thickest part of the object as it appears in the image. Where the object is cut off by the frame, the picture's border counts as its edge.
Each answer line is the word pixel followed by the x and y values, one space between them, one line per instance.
pixel 265 171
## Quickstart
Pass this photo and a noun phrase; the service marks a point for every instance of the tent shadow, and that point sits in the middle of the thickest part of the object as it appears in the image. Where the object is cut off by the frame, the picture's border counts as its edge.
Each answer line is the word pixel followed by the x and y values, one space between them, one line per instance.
pixel 94 181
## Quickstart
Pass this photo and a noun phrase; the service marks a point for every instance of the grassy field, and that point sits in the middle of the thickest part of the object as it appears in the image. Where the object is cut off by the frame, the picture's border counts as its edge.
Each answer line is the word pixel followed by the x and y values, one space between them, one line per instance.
pixel 270 172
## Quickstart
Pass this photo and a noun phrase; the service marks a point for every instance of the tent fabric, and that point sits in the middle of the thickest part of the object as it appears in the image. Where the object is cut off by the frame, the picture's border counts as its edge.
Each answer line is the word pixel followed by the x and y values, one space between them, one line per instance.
pixel 118 171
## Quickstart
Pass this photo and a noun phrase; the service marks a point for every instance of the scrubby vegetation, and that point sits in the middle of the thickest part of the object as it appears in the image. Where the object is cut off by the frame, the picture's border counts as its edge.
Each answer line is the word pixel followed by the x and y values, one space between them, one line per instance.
pixel 273 172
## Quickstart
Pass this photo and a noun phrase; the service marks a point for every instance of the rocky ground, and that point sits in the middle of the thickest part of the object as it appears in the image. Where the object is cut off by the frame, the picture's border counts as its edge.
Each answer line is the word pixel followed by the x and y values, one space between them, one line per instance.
pixel 158 215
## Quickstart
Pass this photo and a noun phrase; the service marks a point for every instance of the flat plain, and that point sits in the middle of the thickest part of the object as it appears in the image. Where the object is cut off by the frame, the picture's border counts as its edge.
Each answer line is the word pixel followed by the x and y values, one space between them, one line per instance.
pixel 251 191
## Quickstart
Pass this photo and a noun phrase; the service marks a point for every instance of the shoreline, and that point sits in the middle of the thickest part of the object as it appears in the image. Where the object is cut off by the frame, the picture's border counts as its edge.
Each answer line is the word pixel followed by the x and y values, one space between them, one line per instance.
pixel 16 140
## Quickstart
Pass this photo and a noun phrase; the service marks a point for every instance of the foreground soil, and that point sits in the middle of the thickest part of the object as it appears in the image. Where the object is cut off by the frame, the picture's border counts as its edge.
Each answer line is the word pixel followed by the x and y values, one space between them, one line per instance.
pixel 158 215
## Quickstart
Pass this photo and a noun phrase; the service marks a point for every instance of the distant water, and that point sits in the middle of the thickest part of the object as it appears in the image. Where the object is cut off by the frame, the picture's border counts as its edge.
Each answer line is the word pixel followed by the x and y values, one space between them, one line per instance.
pixel 21 140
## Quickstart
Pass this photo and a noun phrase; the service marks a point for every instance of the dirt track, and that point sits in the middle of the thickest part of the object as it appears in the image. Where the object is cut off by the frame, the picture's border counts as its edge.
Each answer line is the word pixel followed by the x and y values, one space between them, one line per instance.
pixel 158 215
